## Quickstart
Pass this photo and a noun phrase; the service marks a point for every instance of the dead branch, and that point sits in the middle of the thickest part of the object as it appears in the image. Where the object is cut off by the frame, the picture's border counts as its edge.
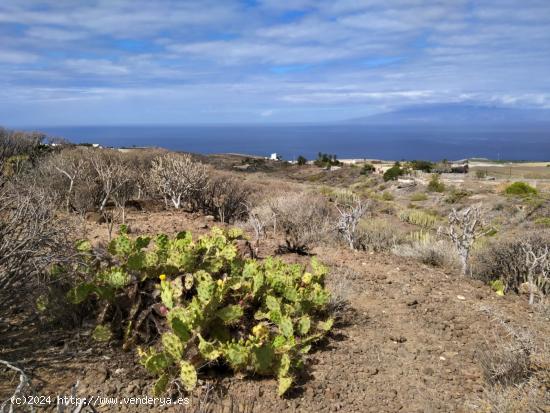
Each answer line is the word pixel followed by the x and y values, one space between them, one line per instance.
pixel 463 230
pixel 23 383
pixel 351 211
pixel 538 270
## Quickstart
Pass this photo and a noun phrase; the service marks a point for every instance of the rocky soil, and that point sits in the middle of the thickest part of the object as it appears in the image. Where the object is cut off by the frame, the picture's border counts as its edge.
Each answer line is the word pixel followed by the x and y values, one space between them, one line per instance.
pixel 407 340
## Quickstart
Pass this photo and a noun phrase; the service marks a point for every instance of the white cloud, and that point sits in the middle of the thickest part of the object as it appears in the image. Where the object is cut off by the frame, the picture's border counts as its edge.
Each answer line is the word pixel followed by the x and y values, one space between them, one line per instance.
pixel 16 57
pixel 302 55
pixel 96 66
pixel 358 96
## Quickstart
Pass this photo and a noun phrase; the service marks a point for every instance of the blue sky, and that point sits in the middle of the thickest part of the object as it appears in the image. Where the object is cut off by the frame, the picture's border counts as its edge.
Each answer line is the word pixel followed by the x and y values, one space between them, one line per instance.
pixel 68 62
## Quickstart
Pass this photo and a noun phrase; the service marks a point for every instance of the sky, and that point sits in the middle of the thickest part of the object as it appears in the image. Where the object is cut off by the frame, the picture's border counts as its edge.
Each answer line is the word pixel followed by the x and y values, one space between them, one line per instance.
pixel 108 62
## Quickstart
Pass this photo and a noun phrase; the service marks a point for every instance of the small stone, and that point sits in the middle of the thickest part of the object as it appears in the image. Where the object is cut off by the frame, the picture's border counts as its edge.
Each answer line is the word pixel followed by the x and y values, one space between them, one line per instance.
pixel 413 302
pixel 372 371
pixel 428 371
pixel 398 339
pixel 461 297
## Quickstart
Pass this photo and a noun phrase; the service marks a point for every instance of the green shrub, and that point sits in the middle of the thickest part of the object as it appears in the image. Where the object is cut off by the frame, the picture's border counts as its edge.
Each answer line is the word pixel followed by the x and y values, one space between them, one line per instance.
pixel 386 196
pixel 420 165
pixel 325 160
pixel 418 217
pixel 301 160
pixel 393 173
pixel 435 184
pixel 457 195
pixel 543 222
pixel 520 189
pixel 367 169
pixel 210 305
pixel 419 196
pixel 377 235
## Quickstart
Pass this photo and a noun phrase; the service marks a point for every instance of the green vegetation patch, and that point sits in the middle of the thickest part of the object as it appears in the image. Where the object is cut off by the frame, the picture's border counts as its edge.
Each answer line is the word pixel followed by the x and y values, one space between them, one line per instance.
pixel 210 305
pixel 520 189
pixel 367 169
pixel 419 196
pixel 418 217
pixel 394 172
pixel 543 222
pixel 435 184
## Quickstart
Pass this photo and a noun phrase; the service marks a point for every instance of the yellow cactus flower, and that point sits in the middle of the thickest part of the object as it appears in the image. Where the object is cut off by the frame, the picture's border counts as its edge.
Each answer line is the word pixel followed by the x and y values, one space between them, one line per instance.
pixel 259 330
pixel 306 278
pixel 162 277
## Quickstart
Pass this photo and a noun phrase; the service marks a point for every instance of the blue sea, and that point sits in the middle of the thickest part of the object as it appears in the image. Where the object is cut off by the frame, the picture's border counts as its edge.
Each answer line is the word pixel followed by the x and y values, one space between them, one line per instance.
pixel 344 140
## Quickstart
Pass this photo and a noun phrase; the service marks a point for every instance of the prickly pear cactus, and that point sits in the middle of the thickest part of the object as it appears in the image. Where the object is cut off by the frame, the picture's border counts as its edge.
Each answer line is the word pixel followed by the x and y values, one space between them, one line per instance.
pixel 188 375
pixel 257 317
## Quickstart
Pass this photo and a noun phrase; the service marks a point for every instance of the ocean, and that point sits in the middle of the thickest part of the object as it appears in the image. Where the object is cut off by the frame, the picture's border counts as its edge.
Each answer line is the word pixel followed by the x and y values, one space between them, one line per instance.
pixel 344 140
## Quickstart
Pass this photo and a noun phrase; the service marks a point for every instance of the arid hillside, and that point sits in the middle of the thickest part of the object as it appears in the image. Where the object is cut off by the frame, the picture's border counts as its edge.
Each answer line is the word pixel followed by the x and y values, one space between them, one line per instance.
pixel 344 288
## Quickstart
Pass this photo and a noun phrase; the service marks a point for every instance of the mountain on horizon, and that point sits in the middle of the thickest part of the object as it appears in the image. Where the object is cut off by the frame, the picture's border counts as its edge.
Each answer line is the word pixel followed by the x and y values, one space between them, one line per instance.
pixel 457 114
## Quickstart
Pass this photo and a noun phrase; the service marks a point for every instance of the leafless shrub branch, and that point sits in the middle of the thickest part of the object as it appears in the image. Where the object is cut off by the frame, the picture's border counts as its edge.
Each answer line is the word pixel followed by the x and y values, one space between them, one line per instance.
pixel 351 210
pixel 224 197
pixel 538 270
pixel 178 177
pixel 505 259
pixel 24 384
pixel 303 218
pixel 31 240
pixel 463 230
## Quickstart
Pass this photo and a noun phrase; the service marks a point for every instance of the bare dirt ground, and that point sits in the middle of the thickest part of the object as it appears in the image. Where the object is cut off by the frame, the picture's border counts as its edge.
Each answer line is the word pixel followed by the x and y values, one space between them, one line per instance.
pixel 408 341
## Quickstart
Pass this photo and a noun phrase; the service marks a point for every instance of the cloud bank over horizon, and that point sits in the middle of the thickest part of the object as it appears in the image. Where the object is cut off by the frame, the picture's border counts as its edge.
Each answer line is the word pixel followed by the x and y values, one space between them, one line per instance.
pixel 135 62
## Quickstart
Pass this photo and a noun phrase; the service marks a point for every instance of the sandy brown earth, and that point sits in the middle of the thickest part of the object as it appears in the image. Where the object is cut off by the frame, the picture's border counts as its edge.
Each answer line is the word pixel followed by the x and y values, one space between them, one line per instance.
pixel 408 341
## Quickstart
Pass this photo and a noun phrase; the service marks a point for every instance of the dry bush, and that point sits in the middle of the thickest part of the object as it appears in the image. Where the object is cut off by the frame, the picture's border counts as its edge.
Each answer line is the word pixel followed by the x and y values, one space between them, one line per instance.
pixel 429 250
pixel 303 218
pixel 259 218
pixel 31 238
pixel 464 229
pixel 87 194
pixel 225 197
pixel 506 364
pixel 111 172
pixel 71 179
pixel 14 144
pixel 341 284
pixel 65 168
pixel 140 162
pixel 178 178
pixel 538 271
pixel 377 235
pixel 351 209
pixel 516 370
pixel 527 397
pixel 125 191
pixel 504 259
